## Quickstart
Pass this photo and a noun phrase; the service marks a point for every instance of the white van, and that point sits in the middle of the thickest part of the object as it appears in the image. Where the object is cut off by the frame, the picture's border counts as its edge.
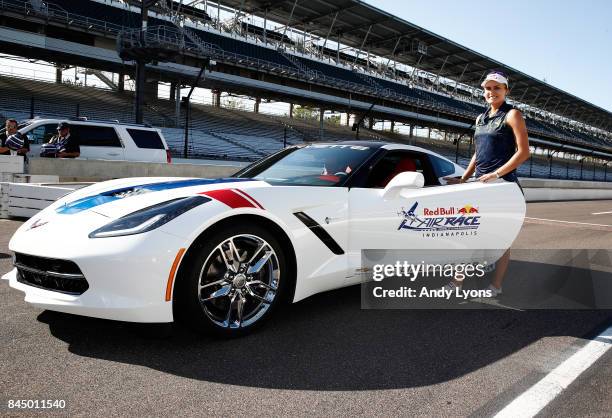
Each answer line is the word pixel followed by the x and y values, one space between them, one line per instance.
pixel 102 140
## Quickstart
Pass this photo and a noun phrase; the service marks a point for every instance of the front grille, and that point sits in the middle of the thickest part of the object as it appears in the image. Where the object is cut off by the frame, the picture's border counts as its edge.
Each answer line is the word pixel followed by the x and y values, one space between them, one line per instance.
pixel 50 274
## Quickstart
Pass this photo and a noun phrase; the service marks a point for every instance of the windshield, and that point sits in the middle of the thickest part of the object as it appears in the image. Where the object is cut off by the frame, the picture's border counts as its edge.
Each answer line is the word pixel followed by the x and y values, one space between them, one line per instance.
pixel 312 165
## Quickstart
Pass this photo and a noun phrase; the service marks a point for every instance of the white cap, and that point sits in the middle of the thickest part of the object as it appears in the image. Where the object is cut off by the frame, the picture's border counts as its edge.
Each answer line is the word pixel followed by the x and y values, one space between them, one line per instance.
pixel 500 78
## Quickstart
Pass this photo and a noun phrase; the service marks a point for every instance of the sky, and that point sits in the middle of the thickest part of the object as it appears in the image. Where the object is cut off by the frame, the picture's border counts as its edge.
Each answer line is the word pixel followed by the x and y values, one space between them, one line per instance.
pixel 566 42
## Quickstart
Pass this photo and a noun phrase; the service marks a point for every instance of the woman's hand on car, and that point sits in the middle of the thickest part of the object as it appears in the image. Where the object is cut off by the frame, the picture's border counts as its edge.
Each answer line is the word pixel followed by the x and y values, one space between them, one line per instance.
pixel 488 177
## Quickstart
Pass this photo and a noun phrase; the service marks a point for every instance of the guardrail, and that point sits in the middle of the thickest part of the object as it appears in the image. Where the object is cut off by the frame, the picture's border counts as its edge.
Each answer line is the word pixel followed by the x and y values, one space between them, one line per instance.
pixel 50 11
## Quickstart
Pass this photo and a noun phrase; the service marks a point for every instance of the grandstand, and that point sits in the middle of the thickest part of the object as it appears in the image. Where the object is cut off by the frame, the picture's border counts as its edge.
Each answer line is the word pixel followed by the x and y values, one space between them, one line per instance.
pixel 284 52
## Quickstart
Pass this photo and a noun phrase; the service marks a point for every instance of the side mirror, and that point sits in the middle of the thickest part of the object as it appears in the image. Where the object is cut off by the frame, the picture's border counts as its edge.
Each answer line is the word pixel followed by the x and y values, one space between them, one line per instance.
pixel 405 180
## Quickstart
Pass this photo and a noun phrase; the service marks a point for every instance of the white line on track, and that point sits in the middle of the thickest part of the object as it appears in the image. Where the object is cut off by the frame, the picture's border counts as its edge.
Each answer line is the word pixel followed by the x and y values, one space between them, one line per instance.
pixel 542 393
pixel 566 222
pixel 601 213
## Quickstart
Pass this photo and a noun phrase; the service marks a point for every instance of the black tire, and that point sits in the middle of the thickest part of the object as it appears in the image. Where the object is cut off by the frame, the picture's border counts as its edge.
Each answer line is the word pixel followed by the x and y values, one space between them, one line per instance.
pixel 238 289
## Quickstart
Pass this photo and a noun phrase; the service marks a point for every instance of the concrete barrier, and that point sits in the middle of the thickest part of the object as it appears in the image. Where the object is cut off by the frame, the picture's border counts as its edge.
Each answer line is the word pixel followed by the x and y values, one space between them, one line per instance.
pixel 10 164
pixel 537 190
pixel 98 170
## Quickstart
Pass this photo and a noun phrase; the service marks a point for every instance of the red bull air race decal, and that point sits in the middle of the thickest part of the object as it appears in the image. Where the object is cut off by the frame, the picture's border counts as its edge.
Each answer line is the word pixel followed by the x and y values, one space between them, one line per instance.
pixel 441 221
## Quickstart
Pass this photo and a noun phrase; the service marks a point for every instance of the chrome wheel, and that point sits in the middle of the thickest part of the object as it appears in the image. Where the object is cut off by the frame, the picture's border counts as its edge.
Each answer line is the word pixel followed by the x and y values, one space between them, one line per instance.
pixel 239 281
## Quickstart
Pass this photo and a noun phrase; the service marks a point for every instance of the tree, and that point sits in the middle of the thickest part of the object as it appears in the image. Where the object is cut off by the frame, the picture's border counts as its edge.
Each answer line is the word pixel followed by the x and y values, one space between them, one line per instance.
pixel 334 120
pixel 306 112
pixel 234 104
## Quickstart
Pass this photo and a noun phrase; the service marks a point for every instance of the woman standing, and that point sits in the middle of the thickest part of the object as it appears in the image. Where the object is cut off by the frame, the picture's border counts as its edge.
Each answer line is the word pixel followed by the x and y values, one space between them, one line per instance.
pixel 501 147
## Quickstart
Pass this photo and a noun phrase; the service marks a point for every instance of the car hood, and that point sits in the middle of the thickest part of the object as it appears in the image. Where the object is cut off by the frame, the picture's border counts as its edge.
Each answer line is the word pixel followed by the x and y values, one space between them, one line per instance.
pixel 117 198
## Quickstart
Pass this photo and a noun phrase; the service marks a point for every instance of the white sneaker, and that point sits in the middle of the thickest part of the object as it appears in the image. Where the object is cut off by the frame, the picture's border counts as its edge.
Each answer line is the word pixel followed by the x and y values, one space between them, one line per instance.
pixel 494 291
pixel 451 286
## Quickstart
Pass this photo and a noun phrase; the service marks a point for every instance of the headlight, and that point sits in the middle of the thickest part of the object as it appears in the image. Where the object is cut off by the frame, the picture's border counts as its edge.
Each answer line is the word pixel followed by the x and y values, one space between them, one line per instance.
pixel 149 218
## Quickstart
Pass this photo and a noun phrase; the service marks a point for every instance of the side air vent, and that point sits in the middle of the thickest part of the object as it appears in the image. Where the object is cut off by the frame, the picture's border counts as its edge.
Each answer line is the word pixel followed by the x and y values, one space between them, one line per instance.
pixel 320 232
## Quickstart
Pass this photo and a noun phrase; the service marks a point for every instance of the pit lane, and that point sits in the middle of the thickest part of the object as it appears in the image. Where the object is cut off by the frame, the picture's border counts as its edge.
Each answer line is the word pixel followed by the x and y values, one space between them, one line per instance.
pixel 321 356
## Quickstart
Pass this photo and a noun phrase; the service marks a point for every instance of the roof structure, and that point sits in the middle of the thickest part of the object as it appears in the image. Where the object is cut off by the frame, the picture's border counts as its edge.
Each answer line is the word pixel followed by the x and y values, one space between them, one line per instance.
pixel 360 25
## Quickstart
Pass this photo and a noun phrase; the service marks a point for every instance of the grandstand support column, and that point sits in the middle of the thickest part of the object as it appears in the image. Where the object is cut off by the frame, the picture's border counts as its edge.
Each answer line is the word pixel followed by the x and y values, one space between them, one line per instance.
pixel 145 90
pixel 187 110
pixel 121 83
pixel 460 78
pixel 58 74
pixel 265 30
pixel 172 94
pixel 256 106
pixel 392 126
pixel 216 97
pixel 550 154
pixel 151 88
pixel 329 31
pixel 348 118
pixel 177 103
pixel 441 68
pixel 457 149
pixel 365 38
pixel 370 122
pixel 415 67
pixel 289 20
pixel 399 38
pixel 290 110
pixel 321 113
pixel 140 64
pixel 411 131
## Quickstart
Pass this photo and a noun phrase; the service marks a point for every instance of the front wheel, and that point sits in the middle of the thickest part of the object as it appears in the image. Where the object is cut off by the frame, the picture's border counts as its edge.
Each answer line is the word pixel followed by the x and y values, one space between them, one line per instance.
pixel 234 280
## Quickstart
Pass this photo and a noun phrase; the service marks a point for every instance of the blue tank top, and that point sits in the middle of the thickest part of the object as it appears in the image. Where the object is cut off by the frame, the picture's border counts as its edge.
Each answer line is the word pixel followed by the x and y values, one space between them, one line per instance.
pixel 495 142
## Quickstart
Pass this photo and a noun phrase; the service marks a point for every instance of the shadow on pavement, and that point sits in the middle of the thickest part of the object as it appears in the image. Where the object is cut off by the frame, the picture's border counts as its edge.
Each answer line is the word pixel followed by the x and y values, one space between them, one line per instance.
pixel 328 343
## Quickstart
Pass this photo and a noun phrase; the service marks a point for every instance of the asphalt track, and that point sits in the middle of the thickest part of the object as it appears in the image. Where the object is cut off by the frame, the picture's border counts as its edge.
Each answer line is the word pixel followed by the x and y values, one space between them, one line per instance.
pixel 321 356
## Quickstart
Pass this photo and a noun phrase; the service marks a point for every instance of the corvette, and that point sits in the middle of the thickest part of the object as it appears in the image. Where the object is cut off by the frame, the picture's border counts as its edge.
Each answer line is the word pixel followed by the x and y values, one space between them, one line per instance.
pixel 224 253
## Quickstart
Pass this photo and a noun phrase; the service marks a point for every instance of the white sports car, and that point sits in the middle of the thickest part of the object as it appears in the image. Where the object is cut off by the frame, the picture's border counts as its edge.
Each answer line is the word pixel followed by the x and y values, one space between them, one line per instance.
pixel 226 252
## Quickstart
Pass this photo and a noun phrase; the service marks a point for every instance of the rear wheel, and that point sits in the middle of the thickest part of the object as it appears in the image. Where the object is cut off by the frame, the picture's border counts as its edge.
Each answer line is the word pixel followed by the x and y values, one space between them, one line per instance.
pixel 235 280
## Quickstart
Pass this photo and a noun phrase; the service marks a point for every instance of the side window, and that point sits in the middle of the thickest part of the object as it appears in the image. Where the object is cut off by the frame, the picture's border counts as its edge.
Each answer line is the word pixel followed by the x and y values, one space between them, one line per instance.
pixel 441 167
pixel 96 136
pixel 395 162
pixel 146 139
pixel 42 134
